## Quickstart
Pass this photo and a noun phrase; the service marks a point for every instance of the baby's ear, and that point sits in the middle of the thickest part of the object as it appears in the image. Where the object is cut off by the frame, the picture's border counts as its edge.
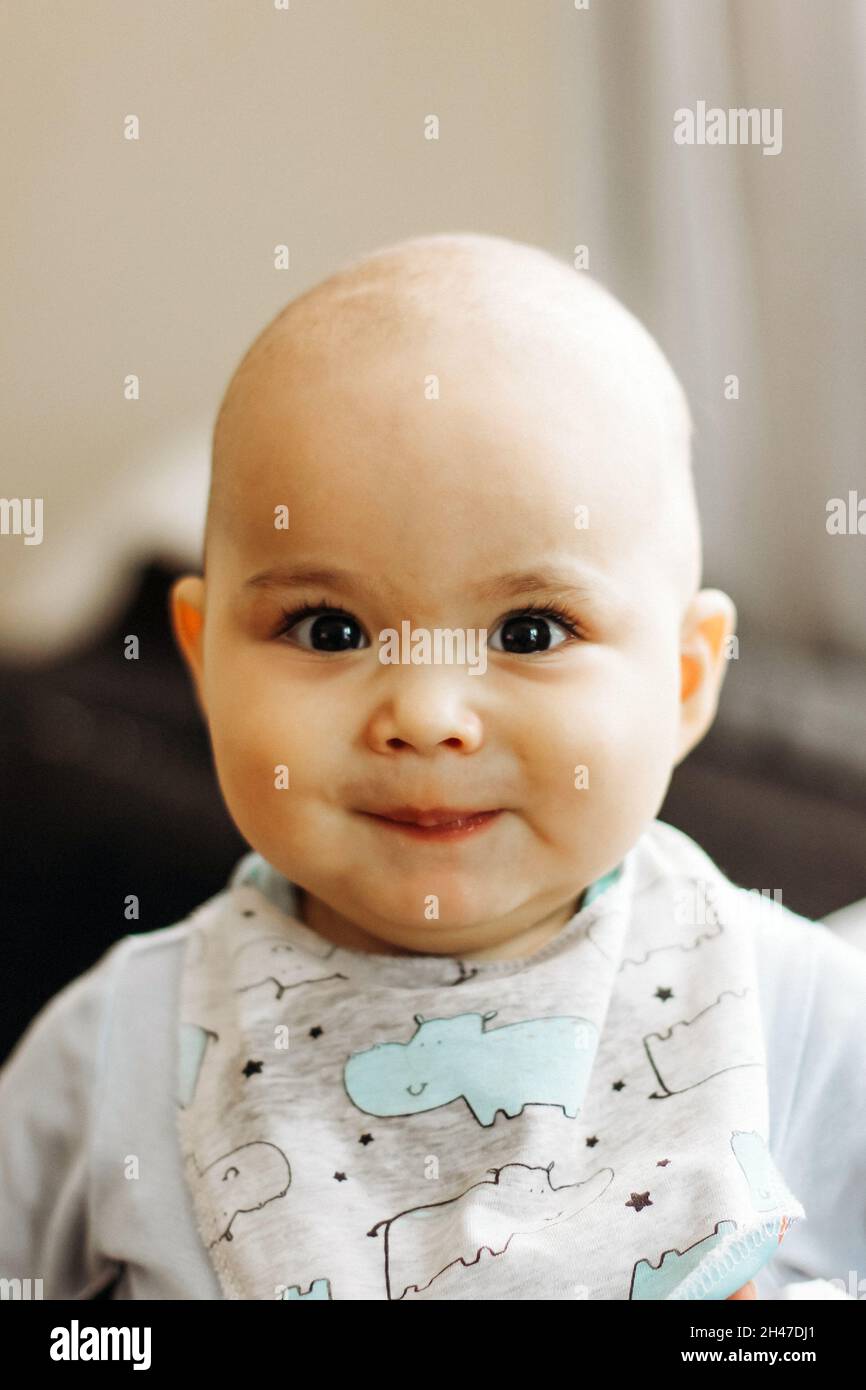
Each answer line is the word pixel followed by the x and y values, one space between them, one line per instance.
pixel 186 602
pixel 709 621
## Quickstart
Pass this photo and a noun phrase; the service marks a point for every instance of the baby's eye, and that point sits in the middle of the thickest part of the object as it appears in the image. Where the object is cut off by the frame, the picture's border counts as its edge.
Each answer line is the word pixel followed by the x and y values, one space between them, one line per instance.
pixel 328 629
pixel 528 632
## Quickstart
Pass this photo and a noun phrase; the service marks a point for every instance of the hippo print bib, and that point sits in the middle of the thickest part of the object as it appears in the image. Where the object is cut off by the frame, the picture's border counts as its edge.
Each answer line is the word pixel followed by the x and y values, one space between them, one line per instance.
pixel 589 1122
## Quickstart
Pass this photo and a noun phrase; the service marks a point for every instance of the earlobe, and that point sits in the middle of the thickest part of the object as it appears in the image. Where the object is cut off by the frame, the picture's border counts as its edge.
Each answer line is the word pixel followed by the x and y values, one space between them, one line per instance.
pixel 190 621
pixel 714 629
pixel 187 617
pixel 709 621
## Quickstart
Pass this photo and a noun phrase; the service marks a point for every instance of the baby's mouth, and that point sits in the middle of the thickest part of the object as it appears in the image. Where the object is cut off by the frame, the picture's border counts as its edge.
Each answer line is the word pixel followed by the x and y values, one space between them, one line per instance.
pixel 438 823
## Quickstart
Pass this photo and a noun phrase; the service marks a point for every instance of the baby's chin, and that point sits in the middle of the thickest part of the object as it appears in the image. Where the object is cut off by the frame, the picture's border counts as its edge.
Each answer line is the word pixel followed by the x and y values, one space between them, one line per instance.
pixel 457 920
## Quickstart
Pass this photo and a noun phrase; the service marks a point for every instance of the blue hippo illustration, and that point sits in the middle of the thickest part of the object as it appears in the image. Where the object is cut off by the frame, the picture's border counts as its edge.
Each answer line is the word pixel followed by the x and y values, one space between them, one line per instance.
pixel 539 1061
pixel 737 1262
pixel 319 1289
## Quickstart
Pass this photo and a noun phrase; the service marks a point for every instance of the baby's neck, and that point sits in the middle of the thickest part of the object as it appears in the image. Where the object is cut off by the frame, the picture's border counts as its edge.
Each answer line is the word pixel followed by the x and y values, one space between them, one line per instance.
pixel 342 932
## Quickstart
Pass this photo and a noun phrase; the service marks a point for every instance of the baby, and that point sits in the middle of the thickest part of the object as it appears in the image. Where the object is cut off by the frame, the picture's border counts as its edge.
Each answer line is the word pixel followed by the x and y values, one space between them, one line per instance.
pixel 468 1022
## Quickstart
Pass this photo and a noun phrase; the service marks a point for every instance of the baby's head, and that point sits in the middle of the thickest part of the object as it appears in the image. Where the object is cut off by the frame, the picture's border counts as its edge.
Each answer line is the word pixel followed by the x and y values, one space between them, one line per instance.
pixel 454 433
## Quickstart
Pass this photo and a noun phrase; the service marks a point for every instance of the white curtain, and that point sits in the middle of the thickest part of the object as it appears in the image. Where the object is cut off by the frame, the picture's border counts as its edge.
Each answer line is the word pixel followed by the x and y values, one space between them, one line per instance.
pixel 746 264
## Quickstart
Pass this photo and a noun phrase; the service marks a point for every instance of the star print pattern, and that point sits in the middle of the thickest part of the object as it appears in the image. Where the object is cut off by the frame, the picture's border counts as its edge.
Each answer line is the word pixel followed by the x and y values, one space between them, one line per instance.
pixel 639 1200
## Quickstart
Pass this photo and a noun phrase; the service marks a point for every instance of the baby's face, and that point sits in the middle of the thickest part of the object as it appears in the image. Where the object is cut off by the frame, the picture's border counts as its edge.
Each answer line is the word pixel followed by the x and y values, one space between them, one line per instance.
pixel 425 506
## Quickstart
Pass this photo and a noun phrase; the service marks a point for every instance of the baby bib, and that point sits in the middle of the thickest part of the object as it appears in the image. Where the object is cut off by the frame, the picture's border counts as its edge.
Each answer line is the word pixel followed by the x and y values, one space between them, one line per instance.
pixel 587 1122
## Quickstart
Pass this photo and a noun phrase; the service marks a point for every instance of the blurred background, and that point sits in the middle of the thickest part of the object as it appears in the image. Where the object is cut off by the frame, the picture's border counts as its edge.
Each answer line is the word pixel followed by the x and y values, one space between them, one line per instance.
pixel 304 126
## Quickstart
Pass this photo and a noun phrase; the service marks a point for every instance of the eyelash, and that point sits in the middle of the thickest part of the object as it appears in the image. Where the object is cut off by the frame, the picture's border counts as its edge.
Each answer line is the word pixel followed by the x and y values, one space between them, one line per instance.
pixel 544 610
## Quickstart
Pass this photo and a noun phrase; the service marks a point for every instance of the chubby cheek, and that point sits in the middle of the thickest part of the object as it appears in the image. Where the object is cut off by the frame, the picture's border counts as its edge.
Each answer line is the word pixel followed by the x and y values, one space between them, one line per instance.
pixel 263 738
pixel 603 764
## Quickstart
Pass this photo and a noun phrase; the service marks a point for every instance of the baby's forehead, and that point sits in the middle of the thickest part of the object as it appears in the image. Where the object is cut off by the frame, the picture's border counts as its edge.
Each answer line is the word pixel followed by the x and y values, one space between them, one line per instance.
pixel 459 295
pixel 508 336
pixel 516 352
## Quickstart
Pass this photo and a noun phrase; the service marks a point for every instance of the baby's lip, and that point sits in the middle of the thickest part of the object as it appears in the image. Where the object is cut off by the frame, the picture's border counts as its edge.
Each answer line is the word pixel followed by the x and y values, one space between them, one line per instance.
pixel 436 815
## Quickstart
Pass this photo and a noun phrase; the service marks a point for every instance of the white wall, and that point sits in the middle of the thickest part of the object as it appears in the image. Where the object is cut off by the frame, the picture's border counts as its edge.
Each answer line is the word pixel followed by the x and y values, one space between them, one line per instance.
pixel 306 127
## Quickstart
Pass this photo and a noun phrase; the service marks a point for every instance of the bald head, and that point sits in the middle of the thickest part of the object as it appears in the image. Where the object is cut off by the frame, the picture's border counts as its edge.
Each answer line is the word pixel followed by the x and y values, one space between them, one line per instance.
pixel 483 290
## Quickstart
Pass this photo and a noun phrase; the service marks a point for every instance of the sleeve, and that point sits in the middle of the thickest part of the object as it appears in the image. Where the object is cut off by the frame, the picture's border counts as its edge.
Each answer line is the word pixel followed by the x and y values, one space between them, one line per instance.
pixel 49 1087
pixel 822 1153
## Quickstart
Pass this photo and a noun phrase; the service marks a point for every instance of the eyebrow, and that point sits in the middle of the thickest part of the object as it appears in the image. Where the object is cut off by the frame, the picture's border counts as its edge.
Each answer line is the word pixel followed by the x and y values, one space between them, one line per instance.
pixel 508 585
pixel 283 576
